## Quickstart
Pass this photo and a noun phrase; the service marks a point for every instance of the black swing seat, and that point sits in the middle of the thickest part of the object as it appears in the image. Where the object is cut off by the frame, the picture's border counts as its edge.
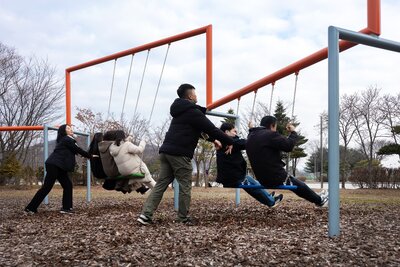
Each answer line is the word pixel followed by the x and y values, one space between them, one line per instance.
pixel 136 175
pixel 282 187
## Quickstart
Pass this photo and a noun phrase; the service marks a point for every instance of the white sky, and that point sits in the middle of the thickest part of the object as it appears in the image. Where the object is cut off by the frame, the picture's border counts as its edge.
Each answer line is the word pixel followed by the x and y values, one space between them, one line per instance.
pixel 251 40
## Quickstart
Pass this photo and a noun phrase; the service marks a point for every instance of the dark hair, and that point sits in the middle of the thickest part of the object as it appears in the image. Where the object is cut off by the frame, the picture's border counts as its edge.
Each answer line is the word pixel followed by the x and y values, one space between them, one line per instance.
pixel 109 136
pixel 184 89
pixel 268 121
pixel 61 132
pixel 226 126
pixel 94 145
pixel 119 136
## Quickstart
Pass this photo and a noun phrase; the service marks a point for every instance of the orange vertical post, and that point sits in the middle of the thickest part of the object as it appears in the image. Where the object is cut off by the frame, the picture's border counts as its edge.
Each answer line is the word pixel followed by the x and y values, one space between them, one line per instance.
pixel 209 70
pixel 68 96
pixel 374 16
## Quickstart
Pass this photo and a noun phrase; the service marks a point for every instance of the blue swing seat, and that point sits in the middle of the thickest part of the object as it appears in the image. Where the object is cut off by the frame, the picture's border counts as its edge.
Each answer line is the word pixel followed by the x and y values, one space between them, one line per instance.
pixel 282 187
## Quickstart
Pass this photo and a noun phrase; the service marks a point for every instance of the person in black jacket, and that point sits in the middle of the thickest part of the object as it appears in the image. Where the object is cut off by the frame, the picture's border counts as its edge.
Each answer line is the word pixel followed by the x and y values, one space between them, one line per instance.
pixel 59 163
pixel 231 169
pixel 176 152
pixel 264 148
pixel 95 162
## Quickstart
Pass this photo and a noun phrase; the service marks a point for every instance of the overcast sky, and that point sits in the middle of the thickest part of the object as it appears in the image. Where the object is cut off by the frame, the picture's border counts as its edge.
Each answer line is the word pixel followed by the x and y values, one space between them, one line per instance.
pixel 251 39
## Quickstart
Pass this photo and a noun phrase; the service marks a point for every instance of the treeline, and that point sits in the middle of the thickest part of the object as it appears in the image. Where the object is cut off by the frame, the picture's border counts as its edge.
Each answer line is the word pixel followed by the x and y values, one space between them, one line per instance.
pixel 369 128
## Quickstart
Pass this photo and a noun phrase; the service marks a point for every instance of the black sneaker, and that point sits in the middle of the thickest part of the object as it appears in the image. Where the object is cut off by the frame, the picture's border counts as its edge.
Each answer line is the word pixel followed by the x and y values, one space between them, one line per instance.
pixel 144 220
pixel 278 200
pixel 67 211
pixel 29 212
pixel 142 190
pixel 188 221
pixel 272 193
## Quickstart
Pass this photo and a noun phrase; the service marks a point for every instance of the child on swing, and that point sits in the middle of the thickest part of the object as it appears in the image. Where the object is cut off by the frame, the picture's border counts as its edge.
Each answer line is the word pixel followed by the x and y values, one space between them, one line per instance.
pixel 127 157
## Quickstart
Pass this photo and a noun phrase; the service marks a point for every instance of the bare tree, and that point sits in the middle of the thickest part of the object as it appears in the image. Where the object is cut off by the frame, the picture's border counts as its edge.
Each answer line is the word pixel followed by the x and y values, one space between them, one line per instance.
pixel 346 130
pixel 391 110
pixel 368 121
pixel 158 134
pixel 254 117
pixel 92 122
pixel 203 156
pixel 30 96
pixel 10 63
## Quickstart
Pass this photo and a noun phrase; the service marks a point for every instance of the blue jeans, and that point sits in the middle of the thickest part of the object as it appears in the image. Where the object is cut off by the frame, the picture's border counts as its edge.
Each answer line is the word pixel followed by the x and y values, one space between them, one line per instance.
pixel 261 195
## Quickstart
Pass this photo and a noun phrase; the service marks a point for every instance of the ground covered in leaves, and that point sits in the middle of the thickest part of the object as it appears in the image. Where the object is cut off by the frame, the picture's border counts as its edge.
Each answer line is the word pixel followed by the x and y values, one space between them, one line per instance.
pixel 105 232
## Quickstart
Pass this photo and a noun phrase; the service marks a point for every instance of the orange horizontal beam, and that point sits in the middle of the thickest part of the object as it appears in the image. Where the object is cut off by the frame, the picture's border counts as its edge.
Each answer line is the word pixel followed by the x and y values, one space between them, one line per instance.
pixel 373 28
pixel 141 48
pixel 21 128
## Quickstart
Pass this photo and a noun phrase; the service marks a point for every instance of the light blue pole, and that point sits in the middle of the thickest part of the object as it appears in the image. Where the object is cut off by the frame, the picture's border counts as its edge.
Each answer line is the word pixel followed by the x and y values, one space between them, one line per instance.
pixel 237 191
pixel 88 180
pixel 333 132
pixel 176 194
pixel 46 155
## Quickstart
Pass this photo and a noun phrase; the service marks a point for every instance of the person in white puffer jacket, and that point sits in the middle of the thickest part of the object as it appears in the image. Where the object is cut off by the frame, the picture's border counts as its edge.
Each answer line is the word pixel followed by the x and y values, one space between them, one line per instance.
pixel 127 157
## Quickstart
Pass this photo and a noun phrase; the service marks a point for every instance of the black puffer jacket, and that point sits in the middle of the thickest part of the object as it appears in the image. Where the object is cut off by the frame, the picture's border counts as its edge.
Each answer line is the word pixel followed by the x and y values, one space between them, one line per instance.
pixel 231 168
pixel 264 149
pixel 63 155
pixel 188 122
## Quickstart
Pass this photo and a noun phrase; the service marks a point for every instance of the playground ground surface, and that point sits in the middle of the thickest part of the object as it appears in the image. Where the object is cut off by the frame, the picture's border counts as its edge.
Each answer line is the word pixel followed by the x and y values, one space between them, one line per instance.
pixel 104 232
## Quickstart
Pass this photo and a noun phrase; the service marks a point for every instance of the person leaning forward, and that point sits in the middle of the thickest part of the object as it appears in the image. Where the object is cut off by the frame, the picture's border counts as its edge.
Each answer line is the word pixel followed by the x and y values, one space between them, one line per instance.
pixel 187 124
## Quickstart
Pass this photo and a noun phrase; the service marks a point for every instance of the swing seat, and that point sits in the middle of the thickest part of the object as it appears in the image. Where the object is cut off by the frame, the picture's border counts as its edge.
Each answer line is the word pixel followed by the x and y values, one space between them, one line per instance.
pixel 136 175
pixel 281 187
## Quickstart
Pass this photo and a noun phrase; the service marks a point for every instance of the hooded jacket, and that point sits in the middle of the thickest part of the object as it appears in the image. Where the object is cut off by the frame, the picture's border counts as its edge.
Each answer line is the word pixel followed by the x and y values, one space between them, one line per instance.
pixel 264 149
pixel 188 122
pixel 128 160
pixel 231 168
pixel 109 166
pixel 64 153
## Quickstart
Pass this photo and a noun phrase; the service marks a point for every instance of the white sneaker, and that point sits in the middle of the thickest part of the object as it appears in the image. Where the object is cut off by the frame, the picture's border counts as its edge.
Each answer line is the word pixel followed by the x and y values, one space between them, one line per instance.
pixel 324 198
pixel 144 220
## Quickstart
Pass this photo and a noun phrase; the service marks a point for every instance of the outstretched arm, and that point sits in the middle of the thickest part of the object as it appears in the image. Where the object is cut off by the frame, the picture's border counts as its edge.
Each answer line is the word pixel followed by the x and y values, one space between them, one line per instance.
pixel 73 146
pixel 134 149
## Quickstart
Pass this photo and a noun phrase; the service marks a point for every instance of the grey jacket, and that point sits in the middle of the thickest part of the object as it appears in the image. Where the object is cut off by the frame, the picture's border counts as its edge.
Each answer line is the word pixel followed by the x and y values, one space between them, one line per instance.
pixel 109 165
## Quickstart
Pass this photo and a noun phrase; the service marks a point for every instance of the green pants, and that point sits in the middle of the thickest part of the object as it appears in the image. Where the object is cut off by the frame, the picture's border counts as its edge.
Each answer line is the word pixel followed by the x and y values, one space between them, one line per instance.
pixel 171 167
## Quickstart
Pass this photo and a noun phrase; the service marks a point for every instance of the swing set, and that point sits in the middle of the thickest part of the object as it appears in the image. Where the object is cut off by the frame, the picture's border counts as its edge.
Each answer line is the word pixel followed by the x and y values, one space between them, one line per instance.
pixel 349 39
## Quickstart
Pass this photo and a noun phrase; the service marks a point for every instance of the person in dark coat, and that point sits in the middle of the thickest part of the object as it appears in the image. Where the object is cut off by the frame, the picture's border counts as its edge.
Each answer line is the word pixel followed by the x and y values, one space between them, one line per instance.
pixel 95 162
pixel 58 164
pixel 231 169
pixel 264 149
pixel 176 152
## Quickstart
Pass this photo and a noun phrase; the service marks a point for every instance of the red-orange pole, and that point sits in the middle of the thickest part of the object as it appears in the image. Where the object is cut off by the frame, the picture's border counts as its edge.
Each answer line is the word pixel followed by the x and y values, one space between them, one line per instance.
pixel 374 16
pixel 21 128
pixel 209 73
pixel 68 96
pixel 141 48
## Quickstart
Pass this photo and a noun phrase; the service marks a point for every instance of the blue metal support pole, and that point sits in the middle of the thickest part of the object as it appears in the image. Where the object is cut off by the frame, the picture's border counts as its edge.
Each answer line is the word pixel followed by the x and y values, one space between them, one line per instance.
pixel 333 132
pixel 176 194
pixel 46 155
pixel 88 180
pixel 237 191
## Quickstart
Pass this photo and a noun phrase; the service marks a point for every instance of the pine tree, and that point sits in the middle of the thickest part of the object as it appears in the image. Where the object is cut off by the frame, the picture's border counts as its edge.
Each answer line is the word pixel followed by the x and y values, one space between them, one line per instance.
pixel 298 152
pixel 392 148
pixel 9 168
pixel 229 120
